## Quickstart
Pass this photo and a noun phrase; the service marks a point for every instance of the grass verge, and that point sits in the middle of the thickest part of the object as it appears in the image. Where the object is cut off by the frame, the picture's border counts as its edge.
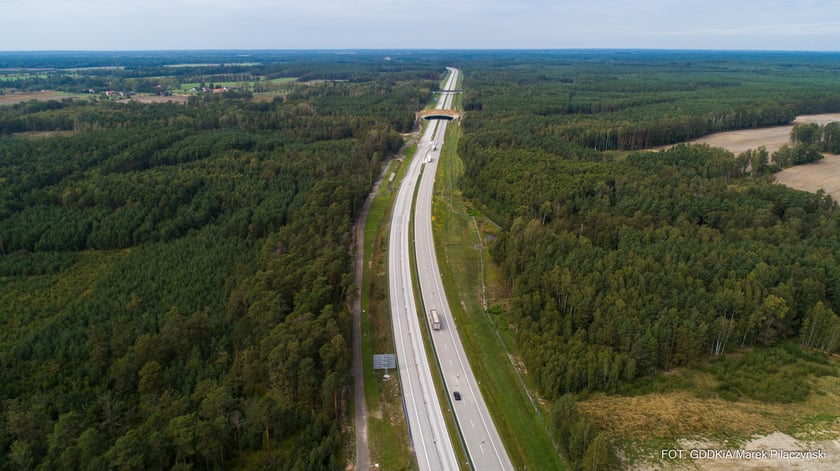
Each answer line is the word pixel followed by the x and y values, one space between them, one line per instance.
pixel 471 281
pixel 387 436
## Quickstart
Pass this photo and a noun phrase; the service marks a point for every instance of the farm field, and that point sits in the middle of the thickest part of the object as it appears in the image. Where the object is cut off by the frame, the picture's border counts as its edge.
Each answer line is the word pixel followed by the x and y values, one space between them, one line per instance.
pixel 824 174
pixel 772 138
pixel 41 96
pixel 181 99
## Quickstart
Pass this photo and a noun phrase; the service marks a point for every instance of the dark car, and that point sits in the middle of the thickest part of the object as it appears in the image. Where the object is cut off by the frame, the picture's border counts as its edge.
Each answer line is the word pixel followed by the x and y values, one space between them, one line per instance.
pixel 456 395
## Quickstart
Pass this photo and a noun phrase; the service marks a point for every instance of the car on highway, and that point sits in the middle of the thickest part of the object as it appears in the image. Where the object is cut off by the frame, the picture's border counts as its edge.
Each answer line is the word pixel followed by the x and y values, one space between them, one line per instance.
pixel 456 395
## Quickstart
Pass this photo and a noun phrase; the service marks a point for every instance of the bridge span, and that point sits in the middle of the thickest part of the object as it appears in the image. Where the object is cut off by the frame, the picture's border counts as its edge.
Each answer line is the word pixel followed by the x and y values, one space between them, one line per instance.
pixel 440 114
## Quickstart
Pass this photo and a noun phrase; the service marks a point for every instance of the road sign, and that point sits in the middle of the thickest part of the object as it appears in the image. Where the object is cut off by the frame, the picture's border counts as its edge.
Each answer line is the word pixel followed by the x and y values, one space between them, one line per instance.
pixel 385 361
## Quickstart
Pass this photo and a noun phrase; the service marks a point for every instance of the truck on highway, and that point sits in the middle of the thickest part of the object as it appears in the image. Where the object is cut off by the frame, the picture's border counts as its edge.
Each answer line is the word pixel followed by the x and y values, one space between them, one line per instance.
pixel 435 319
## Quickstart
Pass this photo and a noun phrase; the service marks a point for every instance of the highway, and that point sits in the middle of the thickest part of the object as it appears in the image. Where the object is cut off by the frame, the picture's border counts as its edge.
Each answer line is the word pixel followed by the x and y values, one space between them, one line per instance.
pixel 480 436
pixel 426 427
pixel 431 443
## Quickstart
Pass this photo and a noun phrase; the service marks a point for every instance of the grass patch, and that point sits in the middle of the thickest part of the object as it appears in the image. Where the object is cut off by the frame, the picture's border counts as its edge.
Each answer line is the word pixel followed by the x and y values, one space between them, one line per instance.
pixel 463 258
pixel 782 373
pixel 276 85
pixel 775 374
pixel 248 85
pixel 282 80
pixel 728 400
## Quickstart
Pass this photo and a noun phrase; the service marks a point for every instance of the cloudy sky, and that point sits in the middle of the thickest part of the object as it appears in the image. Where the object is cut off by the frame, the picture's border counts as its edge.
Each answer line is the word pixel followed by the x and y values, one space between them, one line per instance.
pixel 438 24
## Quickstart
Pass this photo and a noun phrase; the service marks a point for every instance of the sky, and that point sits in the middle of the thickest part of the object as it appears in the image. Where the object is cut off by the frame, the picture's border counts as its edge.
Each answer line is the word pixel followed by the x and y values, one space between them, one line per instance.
pixel 29 25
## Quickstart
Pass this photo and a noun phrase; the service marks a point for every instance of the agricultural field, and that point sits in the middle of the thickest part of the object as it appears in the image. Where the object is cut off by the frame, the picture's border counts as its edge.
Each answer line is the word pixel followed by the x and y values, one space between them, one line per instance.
pixel 772 138
pixel 823 174
pixel 13 98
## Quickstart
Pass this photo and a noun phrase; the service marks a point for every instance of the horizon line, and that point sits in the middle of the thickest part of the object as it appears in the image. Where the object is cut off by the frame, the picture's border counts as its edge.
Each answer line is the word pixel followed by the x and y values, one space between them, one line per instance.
pixel 367 49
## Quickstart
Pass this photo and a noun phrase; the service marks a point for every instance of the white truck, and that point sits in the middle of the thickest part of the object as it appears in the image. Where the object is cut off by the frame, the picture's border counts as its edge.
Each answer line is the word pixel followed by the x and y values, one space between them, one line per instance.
pixel 435 319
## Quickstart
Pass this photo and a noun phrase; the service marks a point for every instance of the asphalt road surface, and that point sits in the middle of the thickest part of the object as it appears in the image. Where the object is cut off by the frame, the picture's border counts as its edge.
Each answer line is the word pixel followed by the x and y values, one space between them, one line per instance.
pixel 427 430
pixel 483 443
pixel 426 427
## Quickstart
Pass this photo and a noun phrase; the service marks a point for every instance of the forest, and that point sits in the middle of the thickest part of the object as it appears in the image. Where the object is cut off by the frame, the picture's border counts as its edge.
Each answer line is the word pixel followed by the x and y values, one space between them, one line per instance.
pixel 632 100
pixel 623 265
pixel 149 72
pixel 173 278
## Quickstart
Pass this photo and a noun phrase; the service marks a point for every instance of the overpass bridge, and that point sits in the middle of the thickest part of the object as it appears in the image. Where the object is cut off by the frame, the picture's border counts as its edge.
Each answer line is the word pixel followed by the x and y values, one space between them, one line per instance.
pixel 448 115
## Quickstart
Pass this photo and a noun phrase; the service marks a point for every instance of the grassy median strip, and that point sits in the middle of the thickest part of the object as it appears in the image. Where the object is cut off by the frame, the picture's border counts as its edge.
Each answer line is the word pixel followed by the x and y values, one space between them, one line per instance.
pixel 519 419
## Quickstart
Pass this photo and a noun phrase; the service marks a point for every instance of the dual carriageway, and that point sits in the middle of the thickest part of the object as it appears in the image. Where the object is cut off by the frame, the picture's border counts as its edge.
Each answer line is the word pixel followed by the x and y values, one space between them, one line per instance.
pixel 433 447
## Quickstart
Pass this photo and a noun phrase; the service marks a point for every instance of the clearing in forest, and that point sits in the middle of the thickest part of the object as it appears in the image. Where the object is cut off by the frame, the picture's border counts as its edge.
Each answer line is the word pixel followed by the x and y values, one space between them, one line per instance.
pixel 823 174
pixel 719 405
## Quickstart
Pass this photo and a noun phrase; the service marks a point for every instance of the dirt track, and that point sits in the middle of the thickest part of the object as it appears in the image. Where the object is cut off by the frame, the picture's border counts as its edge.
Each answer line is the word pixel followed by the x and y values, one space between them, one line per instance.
pixel 817 455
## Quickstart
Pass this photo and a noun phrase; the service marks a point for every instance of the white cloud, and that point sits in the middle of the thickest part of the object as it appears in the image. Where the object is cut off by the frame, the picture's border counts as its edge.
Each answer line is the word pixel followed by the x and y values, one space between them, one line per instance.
pixel 156 24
